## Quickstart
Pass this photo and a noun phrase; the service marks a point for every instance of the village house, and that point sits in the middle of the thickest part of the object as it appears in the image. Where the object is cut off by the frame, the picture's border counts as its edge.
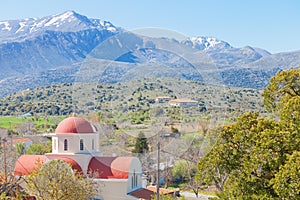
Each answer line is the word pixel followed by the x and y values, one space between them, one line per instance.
pixel 183 103
pixel 162 99
pixel 76 142
pixel 24 140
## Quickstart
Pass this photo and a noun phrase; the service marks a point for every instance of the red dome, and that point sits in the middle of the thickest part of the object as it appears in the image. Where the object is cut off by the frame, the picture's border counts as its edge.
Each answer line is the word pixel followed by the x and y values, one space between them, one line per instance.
pixel 75 166
pixel 73 125
pixel 110 167
pixel 27 163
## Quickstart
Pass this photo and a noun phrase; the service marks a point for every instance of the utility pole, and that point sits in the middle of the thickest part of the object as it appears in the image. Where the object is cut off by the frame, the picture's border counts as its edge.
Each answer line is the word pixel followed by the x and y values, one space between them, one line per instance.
pixel 5 166
pixel 158 164
pixel 4 159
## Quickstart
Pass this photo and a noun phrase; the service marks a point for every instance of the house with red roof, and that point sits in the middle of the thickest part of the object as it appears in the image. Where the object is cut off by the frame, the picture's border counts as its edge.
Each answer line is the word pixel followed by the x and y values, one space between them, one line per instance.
pixel 76 142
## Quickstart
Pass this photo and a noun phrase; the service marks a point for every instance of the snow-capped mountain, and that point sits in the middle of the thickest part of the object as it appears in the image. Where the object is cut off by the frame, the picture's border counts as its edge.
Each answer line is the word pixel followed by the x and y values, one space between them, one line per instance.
pixel 54 49
pixel 70 21
pixel 38 44
pixel 205 43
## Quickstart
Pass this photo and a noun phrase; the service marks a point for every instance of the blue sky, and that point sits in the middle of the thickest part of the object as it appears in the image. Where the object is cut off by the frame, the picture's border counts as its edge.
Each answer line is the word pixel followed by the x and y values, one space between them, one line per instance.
pixel 273 25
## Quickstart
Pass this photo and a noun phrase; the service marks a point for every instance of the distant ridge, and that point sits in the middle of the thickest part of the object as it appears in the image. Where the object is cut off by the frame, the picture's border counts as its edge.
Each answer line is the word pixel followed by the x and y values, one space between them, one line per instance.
pixel 70 47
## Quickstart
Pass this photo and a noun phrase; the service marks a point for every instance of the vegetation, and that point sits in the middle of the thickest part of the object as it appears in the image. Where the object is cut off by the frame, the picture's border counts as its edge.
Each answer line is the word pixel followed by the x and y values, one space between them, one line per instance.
pixel 184 172
pixel 10 188
pixel 56 180
pixel 282 96
pixel 39 148
pixel 141 144
pixel 255 157
pixel 127 98
pixel 167 197
pixel 286 182
pixel 29 125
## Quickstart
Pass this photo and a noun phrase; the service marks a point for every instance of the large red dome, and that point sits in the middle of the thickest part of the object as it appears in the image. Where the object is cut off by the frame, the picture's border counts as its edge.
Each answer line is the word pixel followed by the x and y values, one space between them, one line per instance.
pixel 74 125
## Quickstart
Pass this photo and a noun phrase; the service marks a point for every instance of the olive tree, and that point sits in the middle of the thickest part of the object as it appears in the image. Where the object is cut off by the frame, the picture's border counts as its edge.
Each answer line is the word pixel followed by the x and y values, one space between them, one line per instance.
pixel 57 181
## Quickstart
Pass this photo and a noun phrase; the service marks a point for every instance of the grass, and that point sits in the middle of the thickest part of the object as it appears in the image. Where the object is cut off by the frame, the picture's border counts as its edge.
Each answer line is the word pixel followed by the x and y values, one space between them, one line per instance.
pixel 10 122
pixel 41 124
pixel 212 193
pixel 189 136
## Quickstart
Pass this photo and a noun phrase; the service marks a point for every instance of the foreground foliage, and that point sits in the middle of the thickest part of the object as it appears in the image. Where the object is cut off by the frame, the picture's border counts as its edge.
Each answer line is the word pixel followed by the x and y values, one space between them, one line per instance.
pixel 258 158
pixel 57 181
pixel 10 187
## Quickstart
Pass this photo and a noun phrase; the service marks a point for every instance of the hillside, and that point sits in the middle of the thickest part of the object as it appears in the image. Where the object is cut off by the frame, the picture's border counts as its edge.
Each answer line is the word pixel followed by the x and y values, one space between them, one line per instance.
pixel 122 98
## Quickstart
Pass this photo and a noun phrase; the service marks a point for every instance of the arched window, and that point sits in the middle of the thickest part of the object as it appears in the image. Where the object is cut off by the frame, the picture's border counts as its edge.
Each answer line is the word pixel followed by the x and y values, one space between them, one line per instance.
pixel 134 180
pixel 93 144
pixel 81 146
pixel 65 145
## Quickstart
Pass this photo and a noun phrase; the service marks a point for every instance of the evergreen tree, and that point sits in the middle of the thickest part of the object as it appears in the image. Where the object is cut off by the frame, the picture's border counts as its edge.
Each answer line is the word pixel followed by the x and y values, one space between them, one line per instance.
pixel 141 144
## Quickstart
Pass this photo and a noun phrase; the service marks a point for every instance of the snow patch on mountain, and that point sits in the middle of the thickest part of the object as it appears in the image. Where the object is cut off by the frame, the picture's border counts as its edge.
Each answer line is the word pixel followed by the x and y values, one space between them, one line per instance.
pixel 23 29
pixel 58 20
pixel 205 43
pixel 5 26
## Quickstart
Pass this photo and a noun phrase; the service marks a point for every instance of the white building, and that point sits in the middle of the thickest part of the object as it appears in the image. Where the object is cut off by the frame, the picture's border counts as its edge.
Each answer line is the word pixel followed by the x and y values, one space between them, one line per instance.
pixel 76 142
pixel 183 103
pixel 162 99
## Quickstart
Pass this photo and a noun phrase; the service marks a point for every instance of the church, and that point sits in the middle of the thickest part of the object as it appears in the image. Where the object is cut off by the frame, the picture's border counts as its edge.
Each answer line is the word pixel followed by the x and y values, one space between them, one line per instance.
pixel 76 141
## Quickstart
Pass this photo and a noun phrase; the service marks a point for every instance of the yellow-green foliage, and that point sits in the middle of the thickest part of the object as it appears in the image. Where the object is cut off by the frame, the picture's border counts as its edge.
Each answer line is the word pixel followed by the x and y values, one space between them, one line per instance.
pixel 57 181
pixel 256 157
pixel 287 181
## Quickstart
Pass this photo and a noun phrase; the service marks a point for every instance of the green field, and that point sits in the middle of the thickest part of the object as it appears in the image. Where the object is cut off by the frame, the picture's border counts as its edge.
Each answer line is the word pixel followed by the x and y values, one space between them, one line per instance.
pixel 39 124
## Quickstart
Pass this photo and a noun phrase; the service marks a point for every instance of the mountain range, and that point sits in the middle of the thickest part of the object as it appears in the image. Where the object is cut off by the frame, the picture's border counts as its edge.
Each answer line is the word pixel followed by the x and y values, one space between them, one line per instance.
pixel 70 47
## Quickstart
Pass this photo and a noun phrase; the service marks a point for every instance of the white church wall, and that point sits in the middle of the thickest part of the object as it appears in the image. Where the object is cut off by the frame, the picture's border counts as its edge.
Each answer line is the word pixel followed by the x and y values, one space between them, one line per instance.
pixel 134 175
pixel 113 189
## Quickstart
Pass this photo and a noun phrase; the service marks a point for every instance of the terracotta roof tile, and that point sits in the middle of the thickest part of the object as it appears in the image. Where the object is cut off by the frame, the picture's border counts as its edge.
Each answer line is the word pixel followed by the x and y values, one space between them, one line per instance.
pixel 27 163
pixel 161 190
pixel 21 139
pixel 74 125
pixel 142 193
pixel 110 167
pixel 75 166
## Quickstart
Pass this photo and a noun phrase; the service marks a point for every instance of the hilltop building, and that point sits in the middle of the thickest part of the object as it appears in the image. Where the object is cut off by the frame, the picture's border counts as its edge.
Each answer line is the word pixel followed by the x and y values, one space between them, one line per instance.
pixel 183 103
pixel 76 142
pixel 162 99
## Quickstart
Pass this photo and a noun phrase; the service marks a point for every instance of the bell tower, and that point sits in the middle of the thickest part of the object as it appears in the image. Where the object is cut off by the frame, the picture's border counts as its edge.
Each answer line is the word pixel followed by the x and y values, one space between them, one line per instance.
pixel 75 135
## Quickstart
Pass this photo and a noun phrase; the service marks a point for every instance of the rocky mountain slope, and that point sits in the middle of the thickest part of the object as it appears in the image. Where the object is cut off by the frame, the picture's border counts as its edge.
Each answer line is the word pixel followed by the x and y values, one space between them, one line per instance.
pixel 69 47
pixel 33 45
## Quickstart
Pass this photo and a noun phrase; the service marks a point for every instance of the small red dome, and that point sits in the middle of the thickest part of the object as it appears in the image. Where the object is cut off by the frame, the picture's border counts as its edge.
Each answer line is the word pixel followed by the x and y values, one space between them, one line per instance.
pixel 74 125
pixel 110 167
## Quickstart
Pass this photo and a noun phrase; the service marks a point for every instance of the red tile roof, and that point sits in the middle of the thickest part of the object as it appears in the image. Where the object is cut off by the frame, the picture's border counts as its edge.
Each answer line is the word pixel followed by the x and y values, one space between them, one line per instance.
pixel 27 163
pixel 21 139
pixel 75 166
pixel 110 167
pixel 161 190
pixel 74 125
pixel 142 193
